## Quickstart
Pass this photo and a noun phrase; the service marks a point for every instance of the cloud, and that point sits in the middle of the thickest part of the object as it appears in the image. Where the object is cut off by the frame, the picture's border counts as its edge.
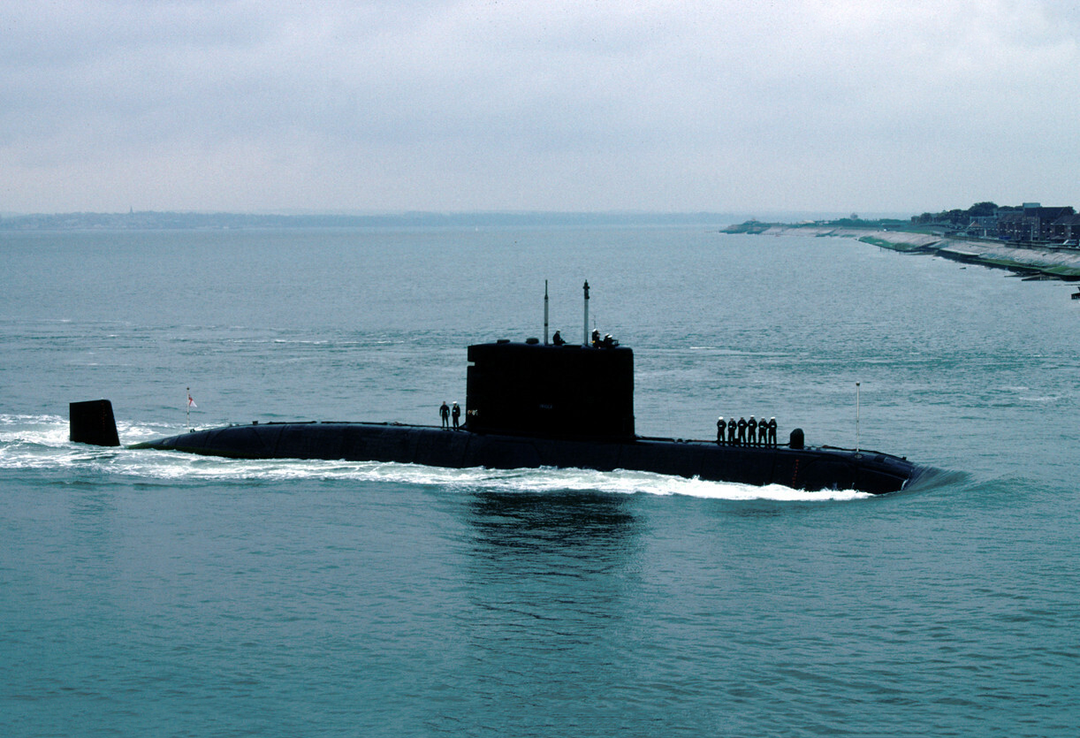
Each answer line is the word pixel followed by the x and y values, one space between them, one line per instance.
pixel 536 105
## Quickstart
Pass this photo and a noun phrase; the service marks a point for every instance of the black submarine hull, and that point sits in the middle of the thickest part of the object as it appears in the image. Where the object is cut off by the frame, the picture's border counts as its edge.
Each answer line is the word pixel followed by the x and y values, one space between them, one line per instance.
pixel 808 468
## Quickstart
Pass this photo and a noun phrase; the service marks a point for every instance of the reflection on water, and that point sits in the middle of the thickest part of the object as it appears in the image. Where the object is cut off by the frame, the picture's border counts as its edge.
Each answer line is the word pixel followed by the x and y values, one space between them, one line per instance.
pixel 580 526
pixel 555 566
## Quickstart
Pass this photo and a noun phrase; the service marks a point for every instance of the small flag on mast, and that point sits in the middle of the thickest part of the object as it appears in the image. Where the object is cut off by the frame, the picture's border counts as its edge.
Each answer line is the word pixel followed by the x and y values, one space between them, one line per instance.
pixel 187 410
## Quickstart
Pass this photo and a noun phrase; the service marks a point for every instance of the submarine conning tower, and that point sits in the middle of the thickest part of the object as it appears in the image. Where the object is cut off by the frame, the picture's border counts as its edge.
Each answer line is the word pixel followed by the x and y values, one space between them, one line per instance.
pixel 566 391
pixel 558 390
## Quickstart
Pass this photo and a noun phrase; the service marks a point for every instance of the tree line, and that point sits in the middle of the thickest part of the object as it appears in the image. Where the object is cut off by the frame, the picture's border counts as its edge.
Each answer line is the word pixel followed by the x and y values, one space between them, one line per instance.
pixel 962 217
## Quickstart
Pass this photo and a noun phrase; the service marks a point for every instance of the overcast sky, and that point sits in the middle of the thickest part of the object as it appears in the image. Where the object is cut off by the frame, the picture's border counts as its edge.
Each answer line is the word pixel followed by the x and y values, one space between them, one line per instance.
pixel 580 105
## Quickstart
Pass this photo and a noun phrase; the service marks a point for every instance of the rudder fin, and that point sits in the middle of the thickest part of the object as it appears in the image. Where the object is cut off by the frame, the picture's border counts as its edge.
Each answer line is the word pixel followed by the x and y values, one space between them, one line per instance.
pixel 92 422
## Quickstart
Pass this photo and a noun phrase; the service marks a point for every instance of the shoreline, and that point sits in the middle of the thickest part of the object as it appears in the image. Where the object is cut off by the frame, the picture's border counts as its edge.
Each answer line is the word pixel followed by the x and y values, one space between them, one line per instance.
pixel 1032 261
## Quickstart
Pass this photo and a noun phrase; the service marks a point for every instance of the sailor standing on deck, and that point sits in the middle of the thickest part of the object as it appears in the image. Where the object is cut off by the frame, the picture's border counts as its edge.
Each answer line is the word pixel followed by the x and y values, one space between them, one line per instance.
pixel 456 415
pixel 720 426
pixel 444 413
pixel 731 432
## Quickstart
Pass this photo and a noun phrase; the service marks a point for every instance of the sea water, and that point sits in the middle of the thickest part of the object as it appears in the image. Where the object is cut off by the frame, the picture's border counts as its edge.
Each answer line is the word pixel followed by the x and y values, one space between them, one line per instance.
pixel 150 593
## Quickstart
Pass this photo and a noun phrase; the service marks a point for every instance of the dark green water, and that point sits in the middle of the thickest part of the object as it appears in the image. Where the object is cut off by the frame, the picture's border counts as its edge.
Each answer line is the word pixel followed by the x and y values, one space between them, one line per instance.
pixel 146 593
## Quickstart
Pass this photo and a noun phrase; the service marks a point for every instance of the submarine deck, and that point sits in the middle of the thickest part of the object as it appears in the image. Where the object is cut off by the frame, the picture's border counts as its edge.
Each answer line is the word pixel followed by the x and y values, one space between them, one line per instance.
pixel 809 468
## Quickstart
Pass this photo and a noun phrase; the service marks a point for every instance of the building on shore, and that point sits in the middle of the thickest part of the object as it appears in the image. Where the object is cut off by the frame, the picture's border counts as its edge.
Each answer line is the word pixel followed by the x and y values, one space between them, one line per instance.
pixel 1033 222
pixel 1066 228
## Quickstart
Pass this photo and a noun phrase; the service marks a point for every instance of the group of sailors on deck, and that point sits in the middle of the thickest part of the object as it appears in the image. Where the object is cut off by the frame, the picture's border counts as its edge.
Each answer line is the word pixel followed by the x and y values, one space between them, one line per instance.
pixel 596 342
pixel 445 413
pixel 743 432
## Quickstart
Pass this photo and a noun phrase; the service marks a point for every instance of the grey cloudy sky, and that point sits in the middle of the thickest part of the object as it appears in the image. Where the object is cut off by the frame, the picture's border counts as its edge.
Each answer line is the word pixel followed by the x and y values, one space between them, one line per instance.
pixel 729 105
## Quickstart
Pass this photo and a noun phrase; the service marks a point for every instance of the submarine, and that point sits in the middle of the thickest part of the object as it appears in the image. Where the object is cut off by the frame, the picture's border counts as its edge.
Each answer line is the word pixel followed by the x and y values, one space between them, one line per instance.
pixel 535 404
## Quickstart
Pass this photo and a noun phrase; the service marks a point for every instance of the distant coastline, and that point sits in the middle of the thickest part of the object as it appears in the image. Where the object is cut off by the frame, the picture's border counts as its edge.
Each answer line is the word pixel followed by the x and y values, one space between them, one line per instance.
pixel 1034 261
pixel 156 220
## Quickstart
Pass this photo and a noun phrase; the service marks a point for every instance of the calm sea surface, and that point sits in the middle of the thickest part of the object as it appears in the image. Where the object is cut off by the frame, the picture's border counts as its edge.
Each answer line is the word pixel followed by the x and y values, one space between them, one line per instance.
pixel 153 594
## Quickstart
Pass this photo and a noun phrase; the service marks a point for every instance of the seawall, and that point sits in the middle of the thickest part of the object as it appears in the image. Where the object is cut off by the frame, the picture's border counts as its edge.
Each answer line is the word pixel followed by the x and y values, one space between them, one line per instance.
pixel 1036 261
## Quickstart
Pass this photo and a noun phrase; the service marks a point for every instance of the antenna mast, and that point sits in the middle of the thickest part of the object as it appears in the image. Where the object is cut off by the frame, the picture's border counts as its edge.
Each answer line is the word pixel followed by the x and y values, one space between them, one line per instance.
pixel 545 313
pixel 856 417
pixel 585 336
